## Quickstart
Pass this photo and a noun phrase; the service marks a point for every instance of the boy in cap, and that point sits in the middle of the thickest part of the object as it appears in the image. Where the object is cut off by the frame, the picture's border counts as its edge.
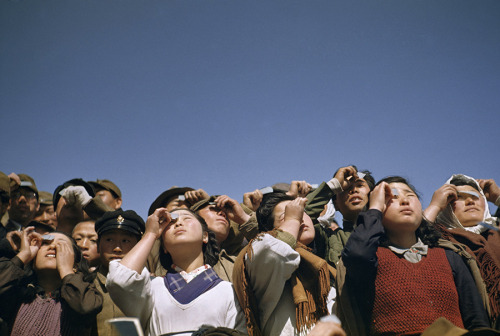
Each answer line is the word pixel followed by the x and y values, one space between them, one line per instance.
pixel 109 193
pixel 118 231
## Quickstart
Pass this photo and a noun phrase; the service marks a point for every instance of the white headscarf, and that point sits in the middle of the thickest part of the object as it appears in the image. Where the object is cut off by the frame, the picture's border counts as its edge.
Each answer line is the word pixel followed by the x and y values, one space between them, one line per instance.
pixel 448 218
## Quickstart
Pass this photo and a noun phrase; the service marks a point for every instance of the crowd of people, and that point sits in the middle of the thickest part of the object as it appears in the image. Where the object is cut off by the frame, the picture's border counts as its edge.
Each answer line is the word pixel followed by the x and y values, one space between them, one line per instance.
pixel 278 263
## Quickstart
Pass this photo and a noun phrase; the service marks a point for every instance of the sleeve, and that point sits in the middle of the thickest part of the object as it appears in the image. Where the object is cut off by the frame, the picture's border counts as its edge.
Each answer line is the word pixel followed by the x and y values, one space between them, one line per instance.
pixel 96 208
pixel 360 252
pixel 272 263
pixel 11 273
pixel 235 316
pixel 317 199
pixel 471 305
pixel 250 228
pixel 80 295
pixel 130 291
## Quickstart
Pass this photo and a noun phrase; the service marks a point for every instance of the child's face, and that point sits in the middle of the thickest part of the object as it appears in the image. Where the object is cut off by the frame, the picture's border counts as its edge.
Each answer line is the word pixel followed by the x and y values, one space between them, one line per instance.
pixel 86 238
pixel 115 244
pixel 403 212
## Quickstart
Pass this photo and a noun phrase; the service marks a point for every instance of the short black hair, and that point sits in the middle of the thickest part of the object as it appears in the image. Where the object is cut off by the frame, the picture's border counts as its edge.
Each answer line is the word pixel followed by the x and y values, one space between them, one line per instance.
pixel 264 213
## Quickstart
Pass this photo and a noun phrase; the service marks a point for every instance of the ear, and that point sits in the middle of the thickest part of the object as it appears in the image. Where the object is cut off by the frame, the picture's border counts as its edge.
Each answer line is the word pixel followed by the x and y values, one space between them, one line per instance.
pixel 205 237
pixel 118 202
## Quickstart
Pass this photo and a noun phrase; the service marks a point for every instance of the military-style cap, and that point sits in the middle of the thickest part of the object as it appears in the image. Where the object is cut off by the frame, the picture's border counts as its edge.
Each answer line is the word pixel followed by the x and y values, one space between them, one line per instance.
pixel 106 185
pixel 4 183
pixel 123 220
pixel 45 198
pixel 73 182
pixel 26 182
pixel 203 203
pixel 161 200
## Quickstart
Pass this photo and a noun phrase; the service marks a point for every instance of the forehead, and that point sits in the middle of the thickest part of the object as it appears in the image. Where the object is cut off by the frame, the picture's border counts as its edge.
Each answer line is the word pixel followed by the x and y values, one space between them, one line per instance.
pixel 280 207
pixel 182 212
pixel 60 236
pixel 84 227
pixel 401 186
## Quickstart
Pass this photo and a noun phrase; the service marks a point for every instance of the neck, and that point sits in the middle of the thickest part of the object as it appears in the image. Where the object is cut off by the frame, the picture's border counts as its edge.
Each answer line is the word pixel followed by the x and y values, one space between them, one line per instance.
pixel 49 280
pixel 402 240
pixel 188 259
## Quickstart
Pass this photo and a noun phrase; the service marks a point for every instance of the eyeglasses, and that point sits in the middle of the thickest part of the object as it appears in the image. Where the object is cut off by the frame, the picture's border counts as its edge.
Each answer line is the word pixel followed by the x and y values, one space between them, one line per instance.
pixel 29 195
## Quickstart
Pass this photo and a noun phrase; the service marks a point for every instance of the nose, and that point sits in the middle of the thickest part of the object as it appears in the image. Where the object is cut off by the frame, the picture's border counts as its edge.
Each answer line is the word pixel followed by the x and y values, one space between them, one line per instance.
pixel 117 248
pixel 222 213
pixel 85 244
pixel 469 200
pixel 404 200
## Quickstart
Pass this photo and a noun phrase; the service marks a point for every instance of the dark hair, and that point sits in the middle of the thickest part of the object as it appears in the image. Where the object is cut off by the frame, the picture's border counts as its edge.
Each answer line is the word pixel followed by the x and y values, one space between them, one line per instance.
pixel 210 249
pixel 31 286
pixel 264 213
pixel 425 231
pixel 368 178
pixel 461 180
pixel 4 197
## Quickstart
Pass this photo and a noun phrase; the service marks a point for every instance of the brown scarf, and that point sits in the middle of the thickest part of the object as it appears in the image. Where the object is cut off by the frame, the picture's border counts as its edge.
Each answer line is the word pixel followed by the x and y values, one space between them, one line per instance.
pixel 310 288
pixel 486 249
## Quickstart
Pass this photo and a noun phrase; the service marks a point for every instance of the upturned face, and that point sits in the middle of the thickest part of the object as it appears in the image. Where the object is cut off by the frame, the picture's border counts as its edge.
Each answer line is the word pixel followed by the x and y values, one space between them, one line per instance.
pixel 306 230
pixel 404 211
pixel 216 220
pixel 46 257
pixel 352 201
pixel 469 206
pixel 186 230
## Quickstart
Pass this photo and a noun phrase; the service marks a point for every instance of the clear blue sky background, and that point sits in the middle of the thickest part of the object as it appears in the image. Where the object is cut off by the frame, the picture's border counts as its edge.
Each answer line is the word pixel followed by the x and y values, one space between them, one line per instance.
pixel 231 96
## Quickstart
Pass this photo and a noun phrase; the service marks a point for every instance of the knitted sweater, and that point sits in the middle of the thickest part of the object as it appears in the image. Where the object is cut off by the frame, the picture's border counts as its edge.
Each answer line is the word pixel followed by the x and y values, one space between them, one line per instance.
pixel 409 297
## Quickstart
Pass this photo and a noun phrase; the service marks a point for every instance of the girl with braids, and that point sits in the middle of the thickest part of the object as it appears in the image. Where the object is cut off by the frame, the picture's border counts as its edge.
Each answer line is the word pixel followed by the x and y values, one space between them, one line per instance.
pixel 46 288
pixel 461 213
pixel 191 294
pixel 398 280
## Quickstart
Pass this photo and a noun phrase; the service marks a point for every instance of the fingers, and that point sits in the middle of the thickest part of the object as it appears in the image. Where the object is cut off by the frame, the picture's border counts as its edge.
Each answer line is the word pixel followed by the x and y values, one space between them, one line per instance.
pixel 194 196
pixel 253 199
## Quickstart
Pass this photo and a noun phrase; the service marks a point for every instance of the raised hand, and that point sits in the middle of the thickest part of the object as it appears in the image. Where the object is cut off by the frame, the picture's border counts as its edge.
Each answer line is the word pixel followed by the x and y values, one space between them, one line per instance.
pixel 253 199
pixel 299 189
pixel 232 208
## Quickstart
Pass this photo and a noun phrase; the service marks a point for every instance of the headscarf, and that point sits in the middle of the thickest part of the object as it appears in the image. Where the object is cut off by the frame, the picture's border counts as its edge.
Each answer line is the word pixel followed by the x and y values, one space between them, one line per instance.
pixel 448 218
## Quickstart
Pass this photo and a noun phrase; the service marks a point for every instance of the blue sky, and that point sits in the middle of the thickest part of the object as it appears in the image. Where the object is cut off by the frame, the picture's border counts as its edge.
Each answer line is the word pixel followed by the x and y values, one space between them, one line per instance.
pixel 230 96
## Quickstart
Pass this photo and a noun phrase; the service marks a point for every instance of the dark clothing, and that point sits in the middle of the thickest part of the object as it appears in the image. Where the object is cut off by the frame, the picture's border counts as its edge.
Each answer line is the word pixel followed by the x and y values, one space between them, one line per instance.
pixel 360 259
pixel 79 299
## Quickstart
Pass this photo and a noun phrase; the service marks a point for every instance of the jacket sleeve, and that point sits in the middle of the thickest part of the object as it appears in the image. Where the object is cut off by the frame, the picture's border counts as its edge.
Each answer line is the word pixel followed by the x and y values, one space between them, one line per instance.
pixel 360 252
pixel 317 199
pixel 80 295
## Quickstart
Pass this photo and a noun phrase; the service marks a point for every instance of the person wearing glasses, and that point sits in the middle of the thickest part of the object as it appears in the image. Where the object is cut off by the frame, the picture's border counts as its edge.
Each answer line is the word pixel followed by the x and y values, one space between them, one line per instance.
pixel 23 203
